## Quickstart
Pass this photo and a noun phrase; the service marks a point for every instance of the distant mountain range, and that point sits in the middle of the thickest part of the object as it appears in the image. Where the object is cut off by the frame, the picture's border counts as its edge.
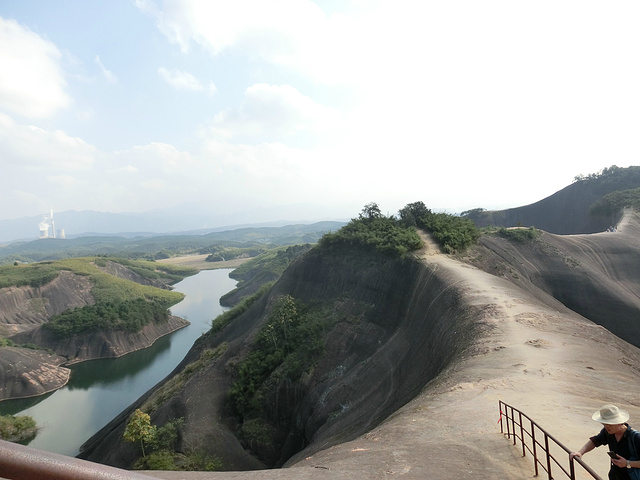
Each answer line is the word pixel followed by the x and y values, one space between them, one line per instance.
pixel 180 220
pixel 159 245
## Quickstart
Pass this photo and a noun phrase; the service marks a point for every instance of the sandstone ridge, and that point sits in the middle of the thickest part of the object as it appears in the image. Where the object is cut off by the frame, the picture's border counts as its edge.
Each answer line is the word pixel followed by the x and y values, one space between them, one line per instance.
pixel 413 388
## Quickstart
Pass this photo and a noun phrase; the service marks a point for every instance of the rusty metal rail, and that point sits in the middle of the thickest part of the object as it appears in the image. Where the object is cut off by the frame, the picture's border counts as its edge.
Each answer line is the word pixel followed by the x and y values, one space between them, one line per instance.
pixel 18 462
pixel 539 443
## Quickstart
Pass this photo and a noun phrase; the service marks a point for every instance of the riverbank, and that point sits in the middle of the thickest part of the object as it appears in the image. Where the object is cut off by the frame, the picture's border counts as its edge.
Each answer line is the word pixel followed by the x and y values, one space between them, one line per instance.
pixel 99 390
pixel 199 262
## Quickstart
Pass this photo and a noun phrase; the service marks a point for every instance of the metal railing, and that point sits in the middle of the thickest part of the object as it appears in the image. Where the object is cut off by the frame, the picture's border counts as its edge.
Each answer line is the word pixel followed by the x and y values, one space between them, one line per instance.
pixel 545 449
pixel 18 462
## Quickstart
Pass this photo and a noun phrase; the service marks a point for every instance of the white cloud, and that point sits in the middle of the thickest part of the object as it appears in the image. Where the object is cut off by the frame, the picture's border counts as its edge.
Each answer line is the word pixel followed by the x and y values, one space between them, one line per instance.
pixel 32 83
pixel 44 169
pixel 458 104
pixel 156 157
pixel 29 147
pixel 275 110
pixel 67 181
pixel 295 34
pixel 108 74
pixel 184 81
pixel 154 184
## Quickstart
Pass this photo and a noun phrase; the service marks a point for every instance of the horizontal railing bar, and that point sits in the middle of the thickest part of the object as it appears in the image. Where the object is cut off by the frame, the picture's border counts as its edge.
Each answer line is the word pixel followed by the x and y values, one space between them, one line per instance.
pixel 18 462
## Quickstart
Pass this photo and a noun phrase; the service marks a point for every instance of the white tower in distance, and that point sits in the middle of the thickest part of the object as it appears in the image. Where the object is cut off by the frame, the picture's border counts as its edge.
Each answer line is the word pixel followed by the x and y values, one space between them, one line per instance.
pixel 53 225
pixel 43 226
pixel 47 221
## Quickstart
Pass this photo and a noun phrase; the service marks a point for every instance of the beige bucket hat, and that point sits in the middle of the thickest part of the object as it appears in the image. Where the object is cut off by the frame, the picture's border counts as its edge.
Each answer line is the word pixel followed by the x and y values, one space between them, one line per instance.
pixel 610 415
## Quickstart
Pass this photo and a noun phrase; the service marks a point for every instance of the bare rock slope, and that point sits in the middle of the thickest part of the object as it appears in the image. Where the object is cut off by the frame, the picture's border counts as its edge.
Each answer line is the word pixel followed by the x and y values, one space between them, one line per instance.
pixel 567 211
pixel 29 373
pixel 107 344
pixel 412 391
pixel 24 308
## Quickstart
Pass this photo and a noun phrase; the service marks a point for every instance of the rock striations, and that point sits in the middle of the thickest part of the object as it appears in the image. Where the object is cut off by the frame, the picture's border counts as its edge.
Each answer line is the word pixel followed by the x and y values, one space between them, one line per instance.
pixel 109 344
pixel 420 353
pixel 29 373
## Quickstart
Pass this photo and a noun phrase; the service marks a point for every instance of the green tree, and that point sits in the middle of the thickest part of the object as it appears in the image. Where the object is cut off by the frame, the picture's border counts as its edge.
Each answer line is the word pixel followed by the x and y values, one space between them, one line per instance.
pixel 412 213
pixel 140 429
pixel 370 211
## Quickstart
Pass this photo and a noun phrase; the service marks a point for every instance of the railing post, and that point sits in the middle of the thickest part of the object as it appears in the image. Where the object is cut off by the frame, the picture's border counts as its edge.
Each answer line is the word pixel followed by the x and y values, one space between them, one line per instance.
pixel 513 425
pixel 524 452
pixel 546 448
pixel 572 468
pixel 535 447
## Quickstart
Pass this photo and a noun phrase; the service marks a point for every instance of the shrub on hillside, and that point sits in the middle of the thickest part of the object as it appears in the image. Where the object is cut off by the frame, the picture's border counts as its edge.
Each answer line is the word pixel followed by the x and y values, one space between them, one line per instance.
pixel 128 315
pixel 375 231
pixel 285 348
pixel 17 428
pixel 452 233
pixel 613 202
pixel 32 275
pixel 612 179
pixel 519 234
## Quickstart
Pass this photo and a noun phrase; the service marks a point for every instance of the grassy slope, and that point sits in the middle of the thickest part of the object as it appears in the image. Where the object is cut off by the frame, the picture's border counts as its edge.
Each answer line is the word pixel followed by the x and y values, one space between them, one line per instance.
pixel 124 297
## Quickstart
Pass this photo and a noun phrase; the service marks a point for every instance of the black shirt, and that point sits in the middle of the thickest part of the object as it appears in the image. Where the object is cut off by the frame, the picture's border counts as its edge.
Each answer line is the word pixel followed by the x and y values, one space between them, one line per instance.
pixel 620 447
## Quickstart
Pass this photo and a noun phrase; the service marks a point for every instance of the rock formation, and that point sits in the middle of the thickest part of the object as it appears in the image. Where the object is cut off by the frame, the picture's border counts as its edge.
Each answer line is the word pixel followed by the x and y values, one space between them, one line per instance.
pixel 106 344
pixel 413 371
pixel 24 308
pixel 421 351
pixel 29 373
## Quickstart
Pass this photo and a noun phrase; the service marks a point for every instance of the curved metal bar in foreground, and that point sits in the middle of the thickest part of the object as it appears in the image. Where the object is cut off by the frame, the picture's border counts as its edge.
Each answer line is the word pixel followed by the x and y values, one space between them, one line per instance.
pixel 18 462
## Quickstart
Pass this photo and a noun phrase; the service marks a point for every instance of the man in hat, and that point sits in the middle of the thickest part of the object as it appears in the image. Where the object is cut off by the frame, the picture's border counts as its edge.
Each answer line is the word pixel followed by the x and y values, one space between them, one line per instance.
pixel 617 434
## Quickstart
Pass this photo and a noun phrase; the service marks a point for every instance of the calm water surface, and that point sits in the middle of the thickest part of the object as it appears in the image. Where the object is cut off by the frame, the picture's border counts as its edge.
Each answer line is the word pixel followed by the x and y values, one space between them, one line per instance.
pixel 100 389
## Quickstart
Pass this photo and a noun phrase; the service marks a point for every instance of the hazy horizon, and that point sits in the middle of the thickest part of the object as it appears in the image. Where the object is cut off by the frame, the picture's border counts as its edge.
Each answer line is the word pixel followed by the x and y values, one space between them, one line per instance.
pixel 137 105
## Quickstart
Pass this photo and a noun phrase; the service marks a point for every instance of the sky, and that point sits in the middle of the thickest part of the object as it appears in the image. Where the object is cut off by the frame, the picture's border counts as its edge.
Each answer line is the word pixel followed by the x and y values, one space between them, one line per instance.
pixel 252 105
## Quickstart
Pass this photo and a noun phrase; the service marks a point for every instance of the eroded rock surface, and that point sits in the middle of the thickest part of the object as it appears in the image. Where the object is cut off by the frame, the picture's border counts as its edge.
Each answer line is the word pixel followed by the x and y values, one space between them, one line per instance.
pixel 109 344
pixel 28 373
pixel 24 308
pixel 413 389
